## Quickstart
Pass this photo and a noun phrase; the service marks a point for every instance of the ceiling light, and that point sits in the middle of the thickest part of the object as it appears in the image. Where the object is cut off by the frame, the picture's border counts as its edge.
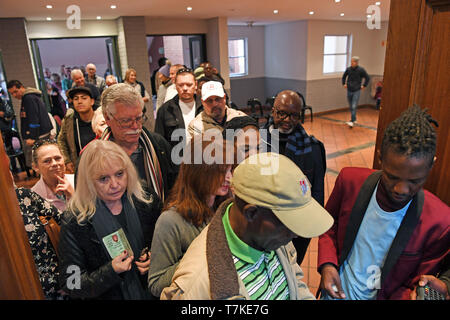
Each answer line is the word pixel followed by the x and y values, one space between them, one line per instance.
pixel 369 16
pixel 337 1
pixel 113 6
pixel 311 12
pixel 189 8
pixel 275 11
pixel 49 19
pixel 49 6
pixel 342 14
pixel 99 17
pixel 378 3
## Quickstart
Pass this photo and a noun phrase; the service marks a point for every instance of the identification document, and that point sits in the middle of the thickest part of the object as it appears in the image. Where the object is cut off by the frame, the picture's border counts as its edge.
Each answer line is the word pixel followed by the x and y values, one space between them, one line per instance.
pixel 116 243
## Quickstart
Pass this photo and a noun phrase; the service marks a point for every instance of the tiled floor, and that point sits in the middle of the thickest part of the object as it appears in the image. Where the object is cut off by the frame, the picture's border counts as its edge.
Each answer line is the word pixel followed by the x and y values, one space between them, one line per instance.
pixel 344 147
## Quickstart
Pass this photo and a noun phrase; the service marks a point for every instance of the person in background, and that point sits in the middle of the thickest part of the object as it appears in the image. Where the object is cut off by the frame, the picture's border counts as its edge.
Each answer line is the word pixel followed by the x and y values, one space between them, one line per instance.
pixel 54 185
pixel 35 122
pixel 215 110
pixel 187 211
pixel 243 133
pixel 178 112
pixel 110 80
pixel 98 123
pixel 32 206
pixel 131 79
pixel 93 78
pixel 352 81
pixel 171 89
pixel 102 214
pixel 358 261
pixel 155 78
pixel 292 140
pixel 79 80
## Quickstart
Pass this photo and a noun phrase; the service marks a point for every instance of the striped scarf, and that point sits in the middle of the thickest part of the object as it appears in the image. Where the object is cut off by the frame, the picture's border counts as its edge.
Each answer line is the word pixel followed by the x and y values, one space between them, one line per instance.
pixel 152 167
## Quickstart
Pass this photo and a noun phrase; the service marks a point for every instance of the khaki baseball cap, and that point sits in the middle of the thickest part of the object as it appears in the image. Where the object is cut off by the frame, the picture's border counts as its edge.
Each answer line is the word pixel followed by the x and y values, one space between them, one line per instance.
pixel 274 182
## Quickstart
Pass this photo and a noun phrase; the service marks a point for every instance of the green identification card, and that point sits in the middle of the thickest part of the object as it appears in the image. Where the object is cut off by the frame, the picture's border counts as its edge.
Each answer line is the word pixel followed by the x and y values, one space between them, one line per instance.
pixel 116 243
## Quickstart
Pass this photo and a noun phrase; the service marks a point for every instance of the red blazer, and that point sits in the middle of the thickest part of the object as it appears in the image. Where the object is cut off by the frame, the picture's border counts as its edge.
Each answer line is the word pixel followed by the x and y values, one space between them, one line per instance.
pixel 421 243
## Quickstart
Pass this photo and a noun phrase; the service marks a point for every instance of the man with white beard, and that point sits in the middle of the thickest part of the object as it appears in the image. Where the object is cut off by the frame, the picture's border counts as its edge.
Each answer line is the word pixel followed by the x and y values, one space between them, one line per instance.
pixel 150 152
pixel 304 150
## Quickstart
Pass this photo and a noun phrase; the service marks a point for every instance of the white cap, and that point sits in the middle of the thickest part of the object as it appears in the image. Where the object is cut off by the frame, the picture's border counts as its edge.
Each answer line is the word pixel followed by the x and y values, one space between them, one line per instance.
pixel 212 88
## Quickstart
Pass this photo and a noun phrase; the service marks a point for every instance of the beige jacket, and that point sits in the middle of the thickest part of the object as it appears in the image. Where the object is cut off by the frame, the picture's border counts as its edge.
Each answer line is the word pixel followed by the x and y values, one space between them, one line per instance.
pixel 202 122
pixel 207 271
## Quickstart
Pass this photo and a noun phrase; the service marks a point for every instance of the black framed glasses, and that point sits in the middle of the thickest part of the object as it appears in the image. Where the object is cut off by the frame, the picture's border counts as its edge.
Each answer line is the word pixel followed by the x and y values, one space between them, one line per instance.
pixel 283 114
pixel 127 123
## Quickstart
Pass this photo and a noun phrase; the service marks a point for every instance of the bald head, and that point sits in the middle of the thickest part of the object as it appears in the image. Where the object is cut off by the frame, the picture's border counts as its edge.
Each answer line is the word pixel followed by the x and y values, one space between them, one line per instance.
pixel 289 98
pixel 91 69
pixel 286 111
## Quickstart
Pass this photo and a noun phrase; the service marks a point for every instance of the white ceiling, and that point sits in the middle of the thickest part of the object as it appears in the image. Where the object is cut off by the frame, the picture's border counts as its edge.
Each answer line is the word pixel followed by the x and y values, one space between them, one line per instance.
pixel 237 11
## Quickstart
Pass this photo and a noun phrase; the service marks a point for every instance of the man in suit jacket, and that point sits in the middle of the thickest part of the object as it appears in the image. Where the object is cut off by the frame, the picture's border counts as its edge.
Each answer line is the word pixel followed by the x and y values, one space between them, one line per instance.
pixel 388 230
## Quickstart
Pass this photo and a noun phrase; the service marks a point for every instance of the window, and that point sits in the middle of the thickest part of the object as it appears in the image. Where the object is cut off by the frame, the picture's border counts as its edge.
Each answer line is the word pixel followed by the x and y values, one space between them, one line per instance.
pixel 237 57
pixel 336 53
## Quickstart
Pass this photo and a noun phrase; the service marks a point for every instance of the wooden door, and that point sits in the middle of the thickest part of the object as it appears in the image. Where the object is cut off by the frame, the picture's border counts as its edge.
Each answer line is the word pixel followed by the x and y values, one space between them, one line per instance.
pixel 18 275
pixel 417 70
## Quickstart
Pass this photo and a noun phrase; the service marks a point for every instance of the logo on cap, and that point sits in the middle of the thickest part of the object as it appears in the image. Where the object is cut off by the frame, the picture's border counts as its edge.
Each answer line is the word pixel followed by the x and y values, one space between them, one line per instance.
pixel 304 186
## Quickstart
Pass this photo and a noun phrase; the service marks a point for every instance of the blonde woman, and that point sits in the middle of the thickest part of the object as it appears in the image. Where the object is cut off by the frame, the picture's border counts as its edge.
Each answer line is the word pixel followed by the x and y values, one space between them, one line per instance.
pixel 106 213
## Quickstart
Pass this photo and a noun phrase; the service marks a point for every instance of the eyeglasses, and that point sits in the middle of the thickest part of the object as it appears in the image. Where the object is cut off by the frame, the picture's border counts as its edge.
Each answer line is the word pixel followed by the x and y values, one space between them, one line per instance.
pixel 127 123
pixel 283 115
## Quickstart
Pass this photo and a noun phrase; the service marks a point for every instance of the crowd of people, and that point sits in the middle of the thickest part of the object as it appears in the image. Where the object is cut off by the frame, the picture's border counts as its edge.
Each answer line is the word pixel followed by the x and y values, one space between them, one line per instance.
pixel 209 205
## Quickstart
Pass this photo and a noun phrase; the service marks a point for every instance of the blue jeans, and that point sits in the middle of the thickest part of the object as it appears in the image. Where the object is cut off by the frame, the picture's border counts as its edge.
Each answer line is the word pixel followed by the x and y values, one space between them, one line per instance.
pixel 353 98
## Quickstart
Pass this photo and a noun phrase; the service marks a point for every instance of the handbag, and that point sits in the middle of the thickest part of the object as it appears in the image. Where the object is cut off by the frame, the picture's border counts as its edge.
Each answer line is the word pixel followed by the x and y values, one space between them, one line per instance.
pixel 52 228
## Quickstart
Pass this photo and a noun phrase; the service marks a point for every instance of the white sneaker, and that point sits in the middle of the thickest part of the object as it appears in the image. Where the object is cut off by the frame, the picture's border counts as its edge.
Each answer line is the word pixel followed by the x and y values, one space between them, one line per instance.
pixel 349 123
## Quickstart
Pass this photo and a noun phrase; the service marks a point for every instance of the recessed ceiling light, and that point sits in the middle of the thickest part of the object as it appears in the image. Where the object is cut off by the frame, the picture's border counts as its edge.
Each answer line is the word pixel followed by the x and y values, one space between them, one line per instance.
pixel 275 11
pixel 113 6
pixel 189 8
pixel 342 14
pixel 99 17
pixel 49 19
pixel 311 12
pixel 378 3
pixel 337 1
pixel 49 6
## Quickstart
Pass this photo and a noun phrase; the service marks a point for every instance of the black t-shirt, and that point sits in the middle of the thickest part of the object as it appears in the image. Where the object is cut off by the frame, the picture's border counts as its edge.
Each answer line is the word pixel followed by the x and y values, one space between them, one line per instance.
pixel 83 133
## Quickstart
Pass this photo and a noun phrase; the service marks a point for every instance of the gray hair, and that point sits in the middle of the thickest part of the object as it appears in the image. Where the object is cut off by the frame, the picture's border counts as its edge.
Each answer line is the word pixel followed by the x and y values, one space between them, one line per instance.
pixel 356 58
pixel 120 93
pixel 76 71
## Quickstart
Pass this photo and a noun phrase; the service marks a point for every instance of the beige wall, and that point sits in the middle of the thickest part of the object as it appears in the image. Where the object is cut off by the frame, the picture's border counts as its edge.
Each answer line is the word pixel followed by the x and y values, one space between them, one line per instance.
pixel 366 44
pixel 255 48
pixel 285 50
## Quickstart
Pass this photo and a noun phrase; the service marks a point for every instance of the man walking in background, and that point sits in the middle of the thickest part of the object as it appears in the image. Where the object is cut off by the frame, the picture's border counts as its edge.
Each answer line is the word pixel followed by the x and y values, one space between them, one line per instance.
pixel 352 80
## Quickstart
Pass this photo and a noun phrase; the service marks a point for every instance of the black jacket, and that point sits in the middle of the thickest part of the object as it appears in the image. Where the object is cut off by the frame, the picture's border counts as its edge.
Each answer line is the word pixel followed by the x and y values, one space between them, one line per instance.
pixel 79 246
pixel 355 76
pixel 34 118
pixel 169 118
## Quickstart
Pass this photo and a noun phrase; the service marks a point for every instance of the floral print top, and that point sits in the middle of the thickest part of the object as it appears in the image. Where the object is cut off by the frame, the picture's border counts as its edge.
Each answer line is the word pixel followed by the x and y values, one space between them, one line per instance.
pixel 32 206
